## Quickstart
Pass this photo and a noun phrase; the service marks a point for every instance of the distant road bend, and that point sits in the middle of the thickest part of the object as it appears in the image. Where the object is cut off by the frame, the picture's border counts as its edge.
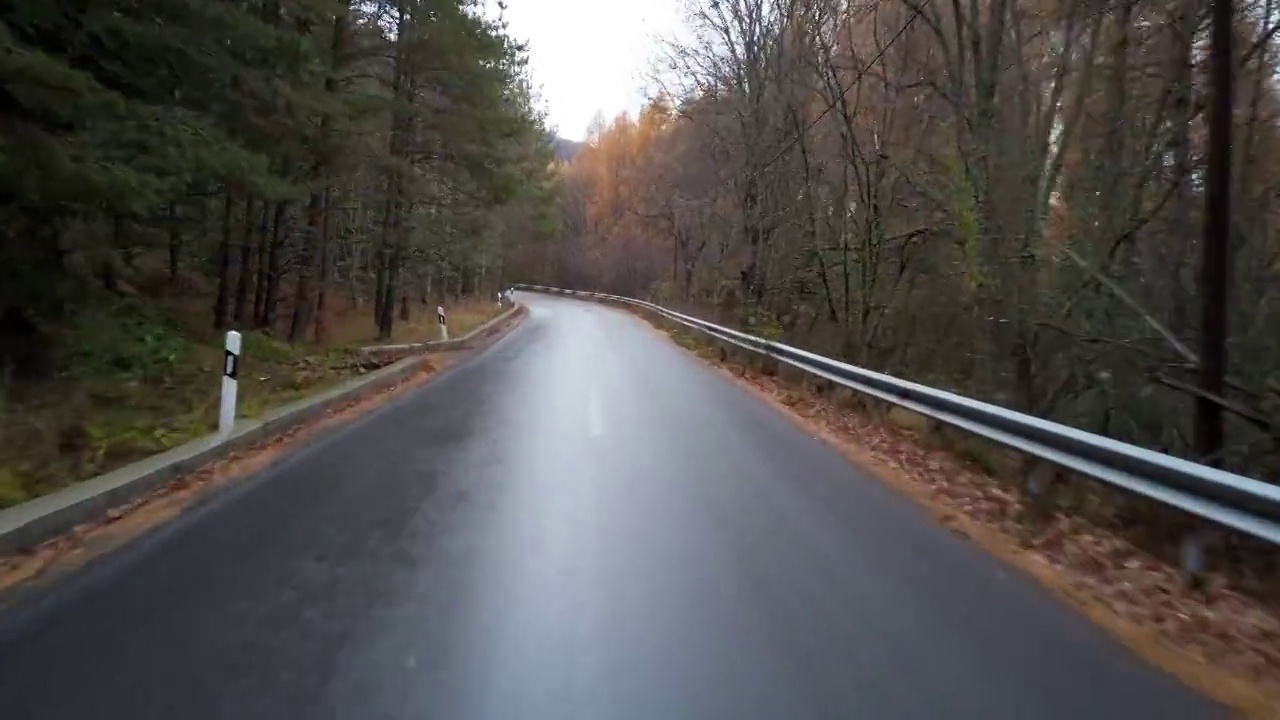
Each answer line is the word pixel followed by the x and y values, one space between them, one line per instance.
pixel 582 522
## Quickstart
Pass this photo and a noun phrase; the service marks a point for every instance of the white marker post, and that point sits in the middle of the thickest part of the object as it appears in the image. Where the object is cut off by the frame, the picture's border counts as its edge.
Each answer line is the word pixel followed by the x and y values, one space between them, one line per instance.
pixel 444 329
pixel 230 369
pixel 499 300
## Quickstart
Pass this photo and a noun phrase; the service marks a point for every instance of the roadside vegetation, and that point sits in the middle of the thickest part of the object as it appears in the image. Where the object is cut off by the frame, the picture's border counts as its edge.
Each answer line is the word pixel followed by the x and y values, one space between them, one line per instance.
pixel 1109 555
pixel 1019 201
pixel 318 174
pixel 142 375
pixel 1022 201
pixel 1008 199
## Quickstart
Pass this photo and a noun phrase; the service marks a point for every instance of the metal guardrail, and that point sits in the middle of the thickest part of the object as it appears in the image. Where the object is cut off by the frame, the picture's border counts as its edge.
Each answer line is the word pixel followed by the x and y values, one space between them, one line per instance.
pixel 1235 501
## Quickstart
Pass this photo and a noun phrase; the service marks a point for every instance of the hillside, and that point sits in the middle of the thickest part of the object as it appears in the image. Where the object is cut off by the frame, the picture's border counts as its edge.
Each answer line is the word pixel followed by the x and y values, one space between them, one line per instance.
pixel 564 148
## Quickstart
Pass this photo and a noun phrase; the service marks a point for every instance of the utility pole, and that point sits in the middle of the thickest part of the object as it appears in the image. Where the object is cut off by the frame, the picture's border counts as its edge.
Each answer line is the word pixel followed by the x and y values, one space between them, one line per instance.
pixel 1215 259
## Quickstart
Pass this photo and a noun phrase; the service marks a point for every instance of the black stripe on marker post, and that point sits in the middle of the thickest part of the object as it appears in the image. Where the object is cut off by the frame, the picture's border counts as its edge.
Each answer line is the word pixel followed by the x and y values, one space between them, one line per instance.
pixel 231 364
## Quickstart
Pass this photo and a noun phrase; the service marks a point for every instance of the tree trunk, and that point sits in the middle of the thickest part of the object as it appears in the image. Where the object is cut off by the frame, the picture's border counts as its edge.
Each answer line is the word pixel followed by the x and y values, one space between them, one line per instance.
pixel 379 283
pixel 111 256
pixel 387 321
pixel 224 268
pixel 381 256
pixel 751 281
pixel 1215 261
pixel 175 244
pixel 246 260
pixel 322 291
pixel 302 307
pixel 271 301
pixel 390 244
pixel 353 285
pixel 317 206
pixel 260 284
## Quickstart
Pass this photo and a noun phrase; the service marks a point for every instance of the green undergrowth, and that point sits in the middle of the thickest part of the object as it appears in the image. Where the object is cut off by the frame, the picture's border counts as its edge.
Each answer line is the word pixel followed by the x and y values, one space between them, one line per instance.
pixel 464 315
pixel 133 379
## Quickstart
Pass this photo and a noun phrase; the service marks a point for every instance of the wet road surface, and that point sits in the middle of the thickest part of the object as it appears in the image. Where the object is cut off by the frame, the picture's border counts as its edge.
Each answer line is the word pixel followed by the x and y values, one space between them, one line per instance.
pixel 582 522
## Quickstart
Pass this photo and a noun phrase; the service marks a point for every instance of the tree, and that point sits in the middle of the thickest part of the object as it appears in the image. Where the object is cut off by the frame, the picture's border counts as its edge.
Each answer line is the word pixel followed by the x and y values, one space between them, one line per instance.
pixel 990 195
pixel 1215 270
pixel 257 142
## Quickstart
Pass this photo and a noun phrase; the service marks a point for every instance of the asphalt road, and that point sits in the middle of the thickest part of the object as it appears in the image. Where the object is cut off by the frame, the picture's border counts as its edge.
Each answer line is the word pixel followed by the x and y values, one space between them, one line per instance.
pixel 582 522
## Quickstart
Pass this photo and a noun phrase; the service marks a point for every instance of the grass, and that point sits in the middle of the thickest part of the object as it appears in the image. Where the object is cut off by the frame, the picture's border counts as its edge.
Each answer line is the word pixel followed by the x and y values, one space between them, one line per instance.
pixel 354 328
pixel 137 377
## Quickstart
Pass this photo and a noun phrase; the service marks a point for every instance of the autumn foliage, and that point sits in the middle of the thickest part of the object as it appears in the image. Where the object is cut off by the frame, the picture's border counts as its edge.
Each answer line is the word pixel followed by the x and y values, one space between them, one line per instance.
pixel 999 196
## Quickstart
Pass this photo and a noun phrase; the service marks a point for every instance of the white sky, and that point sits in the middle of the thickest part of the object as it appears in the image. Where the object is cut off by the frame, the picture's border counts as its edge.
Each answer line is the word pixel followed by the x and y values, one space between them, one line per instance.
pixel 590 55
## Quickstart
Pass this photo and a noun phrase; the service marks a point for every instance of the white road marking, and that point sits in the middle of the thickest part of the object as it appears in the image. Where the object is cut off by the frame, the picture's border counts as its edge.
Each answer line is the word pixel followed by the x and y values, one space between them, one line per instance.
pixel 595 413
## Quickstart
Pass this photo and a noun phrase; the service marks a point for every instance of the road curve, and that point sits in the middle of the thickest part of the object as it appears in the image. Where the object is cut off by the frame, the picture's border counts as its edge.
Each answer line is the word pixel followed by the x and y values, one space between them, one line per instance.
pixel 582 522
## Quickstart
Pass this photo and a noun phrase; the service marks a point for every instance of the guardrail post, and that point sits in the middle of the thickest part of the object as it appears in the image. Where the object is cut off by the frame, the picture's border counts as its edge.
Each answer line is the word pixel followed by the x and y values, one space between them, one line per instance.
pixel 1036 478
pixel 230 371
pixel 790 374
pixel 1040 485
pixel 1191 553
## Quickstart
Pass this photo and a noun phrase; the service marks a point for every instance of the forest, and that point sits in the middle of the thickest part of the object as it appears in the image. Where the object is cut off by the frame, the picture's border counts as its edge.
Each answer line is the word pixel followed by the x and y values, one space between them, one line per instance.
pixel 1005 198
pixel 171 169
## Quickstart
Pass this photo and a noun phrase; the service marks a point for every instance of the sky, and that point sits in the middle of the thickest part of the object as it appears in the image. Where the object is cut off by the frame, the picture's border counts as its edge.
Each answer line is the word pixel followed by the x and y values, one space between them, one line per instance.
pixel 589 56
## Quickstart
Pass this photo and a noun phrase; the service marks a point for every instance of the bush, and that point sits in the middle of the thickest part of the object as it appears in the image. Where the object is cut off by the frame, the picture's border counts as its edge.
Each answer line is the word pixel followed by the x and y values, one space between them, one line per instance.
pixel 124 337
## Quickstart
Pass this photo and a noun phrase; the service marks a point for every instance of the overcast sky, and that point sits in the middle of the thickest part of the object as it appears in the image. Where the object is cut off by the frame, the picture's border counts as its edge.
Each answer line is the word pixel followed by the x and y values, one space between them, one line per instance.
pixel 590 55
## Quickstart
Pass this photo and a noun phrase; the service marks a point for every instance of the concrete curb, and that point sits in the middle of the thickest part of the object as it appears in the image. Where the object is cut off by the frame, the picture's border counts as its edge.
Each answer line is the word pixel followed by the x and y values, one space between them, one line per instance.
pixel 32 522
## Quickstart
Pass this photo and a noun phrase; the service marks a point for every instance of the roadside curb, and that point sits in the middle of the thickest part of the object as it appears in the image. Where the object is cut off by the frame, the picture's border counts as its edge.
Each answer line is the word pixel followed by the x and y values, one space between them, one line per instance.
pixel 32 522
